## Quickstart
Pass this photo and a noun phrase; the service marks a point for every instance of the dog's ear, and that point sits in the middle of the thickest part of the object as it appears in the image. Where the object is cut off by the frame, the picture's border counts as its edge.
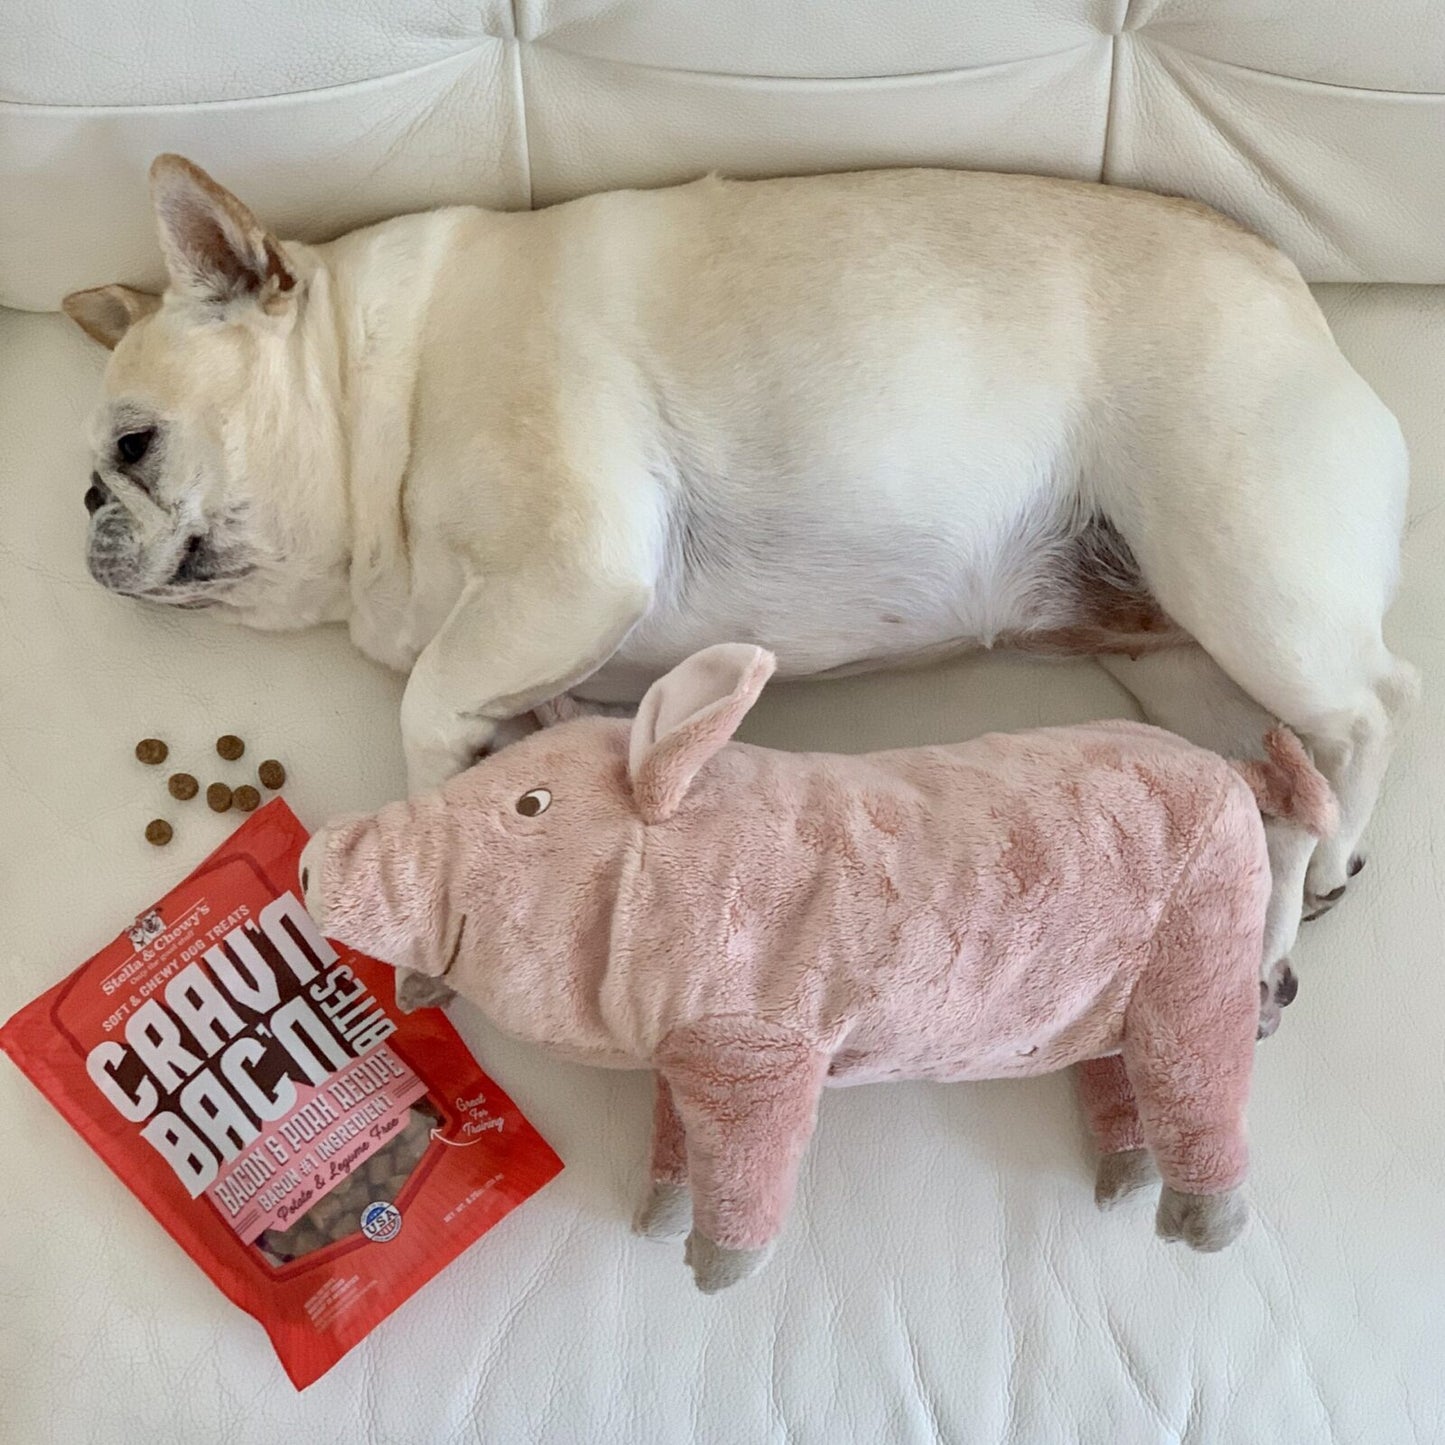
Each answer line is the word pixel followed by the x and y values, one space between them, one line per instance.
pixel 215 249
pixel 106 313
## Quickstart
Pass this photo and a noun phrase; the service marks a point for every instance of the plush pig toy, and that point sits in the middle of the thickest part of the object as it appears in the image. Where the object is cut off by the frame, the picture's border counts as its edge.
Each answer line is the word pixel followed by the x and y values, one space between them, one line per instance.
pixel 752 925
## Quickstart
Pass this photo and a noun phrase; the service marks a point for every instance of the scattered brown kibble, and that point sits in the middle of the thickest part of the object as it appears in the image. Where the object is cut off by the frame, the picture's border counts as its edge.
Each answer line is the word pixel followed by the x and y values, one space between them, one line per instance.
pixel 183 787
pixel 151 751
pixel 158 831
pixel 246 798
pixel 218 797
pixel 272 774
pixel 230 747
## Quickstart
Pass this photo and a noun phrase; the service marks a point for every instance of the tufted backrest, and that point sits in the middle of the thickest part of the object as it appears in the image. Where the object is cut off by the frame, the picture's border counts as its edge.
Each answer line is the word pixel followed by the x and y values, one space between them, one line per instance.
pixel 1320 123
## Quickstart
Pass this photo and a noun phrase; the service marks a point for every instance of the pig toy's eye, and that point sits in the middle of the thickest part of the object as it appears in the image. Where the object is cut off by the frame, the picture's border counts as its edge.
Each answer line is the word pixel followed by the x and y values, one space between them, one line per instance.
pixel 537 801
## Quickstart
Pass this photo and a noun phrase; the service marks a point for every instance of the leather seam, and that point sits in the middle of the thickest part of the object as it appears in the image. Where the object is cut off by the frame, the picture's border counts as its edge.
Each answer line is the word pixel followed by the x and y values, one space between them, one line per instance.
pixel 518 74
pixel 1111 100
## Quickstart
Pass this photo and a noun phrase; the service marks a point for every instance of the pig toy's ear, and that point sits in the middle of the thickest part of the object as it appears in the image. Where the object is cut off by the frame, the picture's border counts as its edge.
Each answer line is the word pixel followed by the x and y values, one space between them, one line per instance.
pixel 686 717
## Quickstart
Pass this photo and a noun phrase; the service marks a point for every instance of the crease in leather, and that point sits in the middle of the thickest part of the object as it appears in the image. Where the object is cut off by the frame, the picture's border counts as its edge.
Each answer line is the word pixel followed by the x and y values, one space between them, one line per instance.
pixel 486 41
pixel 1268 176
pixel 1304 81
pixel 944 72
pixel 1119 31
pixel 237 102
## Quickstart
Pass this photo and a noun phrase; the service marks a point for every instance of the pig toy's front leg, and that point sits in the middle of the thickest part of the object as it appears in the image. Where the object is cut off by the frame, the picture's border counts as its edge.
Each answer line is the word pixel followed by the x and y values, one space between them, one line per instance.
pixel 746 1093
pixel 1125 1164
pixel 666 1213
pixel 420 990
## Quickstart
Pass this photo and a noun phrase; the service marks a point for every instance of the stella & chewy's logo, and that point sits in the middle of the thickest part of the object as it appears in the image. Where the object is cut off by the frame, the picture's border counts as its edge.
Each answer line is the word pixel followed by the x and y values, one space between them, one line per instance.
pixel 143 930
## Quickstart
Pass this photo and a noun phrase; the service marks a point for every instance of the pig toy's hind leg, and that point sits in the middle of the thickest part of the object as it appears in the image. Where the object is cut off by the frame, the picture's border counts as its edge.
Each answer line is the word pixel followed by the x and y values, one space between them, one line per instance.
pixel 746 1093
pixel 1189 1035
pixel 666 1213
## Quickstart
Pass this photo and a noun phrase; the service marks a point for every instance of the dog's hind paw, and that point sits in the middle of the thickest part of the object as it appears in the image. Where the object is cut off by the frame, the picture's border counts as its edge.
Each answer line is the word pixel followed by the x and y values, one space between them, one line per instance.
pixel 1319 900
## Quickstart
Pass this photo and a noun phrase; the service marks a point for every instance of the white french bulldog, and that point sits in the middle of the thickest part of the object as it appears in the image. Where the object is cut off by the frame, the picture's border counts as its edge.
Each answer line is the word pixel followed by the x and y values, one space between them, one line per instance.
pixel 856 419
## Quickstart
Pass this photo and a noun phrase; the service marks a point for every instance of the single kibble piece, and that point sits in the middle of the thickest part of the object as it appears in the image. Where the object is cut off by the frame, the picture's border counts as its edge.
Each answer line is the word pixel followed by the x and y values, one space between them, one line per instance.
pixel 151 751
pixel 246 798
pixel 158 831
pixel 218 797
pixel 230 747
pixel 272 774
pixel 183 787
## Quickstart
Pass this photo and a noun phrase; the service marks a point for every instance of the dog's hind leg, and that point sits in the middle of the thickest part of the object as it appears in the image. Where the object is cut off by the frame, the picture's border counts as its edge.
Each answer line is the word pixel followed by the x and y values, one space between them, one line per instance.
pixel 1276 547
pixel 1352 749
pixel 1331 678
pixel 1186 691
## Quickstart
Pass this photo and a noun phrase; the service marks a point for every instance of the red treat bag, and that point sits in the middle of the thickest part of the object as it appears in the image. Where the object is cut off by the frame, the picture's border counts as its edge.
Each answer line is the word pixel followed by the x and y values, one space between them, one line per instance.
pixel 317 1154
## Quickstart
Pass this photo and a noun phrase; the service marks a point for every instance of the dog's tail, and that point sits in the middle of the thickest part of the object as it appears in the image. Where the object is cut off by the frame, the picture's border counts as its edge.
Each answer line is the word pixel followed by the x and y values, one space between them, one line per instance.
pixel 1288 786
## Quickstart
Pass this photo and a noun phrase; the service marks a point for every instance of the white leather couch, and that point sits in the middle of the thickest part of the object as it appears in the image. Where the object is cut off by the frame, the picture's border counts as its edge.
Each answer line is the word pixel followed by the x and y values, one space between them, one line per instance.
pixel 945 1276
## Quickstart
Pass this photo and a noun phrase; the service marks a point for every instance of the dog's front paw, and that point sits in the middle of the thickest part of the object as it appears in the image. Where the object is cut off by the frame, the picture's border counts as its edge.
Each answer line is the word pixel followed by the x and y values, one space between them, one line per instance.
pixel 715 1267
pixel 437 750
pixel 666 1213
pixel 1122 1174
pixel 427 769
pixel 1206 1222
pixel 511 730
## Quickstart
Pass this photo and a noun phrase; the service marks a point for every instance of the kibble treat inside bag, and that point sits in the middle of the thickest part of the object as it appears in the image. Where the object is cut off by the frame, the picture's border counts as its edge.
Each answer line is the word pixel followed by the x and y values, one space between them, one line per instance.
pixel 319 1156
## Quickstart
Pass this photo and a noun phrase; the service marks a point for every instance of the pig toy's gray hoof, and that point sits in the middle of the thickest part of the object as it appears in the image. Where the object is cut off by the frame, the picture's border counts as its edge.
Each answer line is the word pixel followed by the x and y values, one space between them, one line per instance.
pixel 666 1213
pixel 715 1267
pixel 1123 1174
pixel 420 990
pixel 1206 1222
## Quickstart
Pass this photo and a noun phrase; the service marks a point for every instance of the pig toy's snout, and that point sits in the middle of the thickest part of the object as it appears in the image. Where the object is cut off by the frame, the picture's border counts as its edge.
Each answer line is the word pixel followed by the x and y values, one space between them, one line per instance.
pixel 313 861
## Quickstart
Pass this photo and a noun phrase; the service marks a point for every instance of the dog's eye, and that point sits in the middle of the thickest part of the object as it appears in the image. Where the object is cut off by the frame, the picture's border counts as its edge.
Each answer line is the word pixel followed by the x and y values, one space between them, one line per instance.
pixel 537 801
pixel 134 445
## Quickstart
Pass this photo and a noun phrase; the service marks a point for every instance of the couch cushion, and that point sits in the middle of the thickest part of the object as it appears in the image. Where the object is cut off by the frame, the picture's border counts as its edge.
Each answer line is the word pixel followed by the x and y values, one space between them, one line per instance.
pixel 1317 124
pixel 944 1276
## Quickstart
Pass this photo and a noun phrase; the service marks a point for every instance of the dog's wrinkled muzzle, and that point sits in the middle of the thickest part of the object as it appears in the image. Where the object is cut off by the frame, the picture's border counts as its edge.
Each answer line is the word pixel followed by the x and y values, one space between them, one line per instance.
pixel 113 556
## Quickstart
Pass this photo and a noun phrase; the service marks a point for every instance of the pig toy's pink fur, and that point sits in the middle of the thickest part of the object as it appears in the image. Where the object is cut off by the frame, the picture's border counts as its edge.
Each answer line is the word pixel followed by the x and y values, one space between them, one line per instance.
pixel 754 924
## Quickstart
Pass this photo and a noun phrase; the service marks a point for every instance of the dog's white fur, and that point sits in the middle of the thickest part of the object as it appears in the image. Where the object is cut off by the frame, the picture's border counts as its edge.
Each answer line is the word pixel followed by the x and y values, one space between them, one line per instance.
pixel 857 419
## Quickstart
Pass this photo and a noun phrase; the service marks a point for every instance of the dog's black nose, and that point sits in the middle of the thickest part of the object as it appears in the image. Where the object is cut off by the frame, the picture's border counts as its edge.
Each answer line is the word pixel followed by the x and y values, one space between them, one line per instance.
pixel 97 496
